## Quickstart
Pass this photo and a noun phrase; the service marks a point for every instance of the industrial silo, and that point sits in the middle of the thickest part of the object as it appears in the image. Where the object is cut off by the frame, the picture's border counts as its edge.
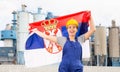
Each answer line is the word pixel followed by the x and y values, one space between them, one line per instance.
pixel 39 16
pixel 22 33
pixel 114 49
pixel 100 45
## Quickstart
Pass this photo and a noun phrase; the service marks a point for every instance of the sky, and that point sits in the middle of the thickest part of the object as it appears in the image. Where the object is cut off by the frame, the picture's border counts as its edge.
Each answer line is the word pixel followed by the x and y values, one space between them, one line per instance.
pixel 103 11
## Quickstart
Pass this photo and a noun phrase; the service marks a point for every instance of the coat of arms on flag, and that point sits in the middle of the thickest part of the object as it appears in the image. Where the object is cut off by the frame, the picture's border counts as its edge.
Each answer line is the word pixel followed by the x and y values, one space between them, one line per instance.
pixel 50 28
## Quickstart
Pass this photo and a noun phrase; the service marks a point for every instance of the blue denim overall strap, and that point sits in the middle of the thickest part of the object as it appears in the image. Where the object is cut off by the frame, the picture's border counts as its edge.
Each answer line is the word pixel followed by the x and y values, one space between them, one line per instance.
pixel 72 56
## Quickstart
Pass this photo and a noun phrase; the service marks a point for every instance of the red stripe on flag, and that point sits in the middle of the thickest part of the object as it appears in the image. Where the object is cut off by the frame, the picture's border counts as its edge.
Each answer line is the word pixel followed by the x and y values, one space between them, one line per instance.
pixel 82 16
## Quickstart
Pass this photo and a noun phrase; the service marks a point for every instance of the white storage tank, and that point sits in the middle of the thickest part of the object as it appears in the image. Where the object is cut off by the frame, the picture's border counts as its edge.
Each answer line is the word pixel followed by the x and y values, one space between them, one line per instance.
pixel 100 41
pixel 114 50
pixel 22 28
pixel 22 21
pixel 39 16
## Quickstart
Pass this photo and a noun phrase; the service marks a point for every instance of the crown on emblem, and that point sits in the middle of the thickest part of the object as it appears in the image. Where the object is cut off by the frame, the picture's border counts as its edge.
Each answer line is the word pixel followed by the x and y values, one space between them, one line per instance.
pixel 49 24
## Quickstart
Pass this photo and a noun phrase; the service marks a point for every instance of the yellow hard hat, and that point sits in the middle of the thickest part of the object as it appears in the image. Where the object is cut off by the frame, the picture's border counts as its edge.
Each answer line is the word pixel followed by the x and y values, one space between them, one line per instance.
pixel 72 22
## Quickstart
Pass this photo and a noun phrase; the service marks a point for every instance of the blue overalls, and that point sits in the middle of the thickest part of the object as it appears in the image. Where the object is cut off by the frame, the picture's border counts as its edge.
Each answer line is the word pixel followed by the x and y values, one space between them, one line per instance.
pixel 71 58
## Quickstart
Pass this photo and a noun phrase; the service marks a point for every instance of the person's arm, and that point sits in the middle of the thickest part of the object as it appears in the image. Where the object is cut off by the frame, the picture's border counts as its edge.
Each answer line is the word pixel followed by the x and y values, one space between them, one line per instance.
pixel 92 29
pixel 48 37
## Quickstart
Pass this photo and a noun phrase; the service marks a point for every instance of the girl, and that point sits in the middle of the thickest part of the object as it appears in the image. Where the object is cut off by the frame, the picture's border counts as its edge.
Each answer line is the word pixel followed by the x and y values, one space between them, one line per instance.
pixel 72 49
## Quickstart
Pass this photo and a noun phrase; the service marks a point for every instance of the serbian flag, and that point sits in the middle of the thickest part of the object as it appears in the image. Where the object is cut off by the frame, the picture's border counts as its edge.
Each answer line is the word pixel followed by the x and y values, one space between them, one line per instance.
pixel 40 51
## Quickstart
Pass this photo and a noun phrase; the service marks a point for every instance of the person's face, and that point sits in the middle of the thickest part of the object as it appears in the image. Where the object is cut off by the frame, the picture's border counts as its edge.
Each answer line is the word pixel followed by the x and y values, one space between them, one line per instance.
pixel 72 29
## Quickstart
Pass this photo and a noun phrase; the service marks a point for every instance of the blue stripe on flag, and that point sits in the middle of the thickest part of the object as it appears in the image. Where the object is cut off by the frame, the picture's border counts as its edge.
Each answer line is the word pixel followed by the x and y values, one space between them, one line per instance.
pixel 34 42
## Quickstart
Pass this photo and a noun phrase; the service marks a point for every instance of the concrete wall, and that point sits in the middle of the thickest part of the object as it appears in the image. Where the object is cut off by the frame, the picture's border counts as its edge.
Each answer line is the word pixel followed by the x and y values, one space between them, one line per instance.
pixel 54 68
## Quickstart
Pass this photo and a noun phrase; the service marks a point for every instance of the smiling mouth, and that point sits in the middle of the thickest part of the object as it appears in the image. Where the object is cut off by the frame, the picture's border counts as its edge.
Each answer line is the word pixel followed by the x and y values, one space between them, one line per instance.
pixel 72 31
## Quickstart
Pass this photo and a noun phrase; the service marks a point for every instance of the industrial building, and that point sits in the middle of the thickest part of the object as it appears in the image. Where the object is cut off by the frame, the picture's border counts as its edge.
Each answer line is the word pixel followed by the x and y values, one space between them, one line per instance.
pixel 104 43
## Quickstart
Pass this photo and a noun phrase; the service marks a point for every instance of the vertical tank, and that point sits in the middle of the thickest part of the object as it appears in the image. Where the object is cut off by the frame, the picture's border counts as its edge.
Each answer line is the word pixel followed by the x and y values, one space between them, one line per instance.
pixel 101 46
pixel 114 50
pixel 22 28
pixel 100 41
pixel 38 16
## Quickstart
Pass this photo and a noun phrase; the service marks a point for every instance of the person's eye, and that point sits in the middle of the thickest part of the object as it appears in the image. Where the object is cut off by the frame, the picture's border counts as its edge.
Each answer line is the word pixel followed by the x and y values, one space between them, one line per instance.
pixel 69 27
pixel 74 27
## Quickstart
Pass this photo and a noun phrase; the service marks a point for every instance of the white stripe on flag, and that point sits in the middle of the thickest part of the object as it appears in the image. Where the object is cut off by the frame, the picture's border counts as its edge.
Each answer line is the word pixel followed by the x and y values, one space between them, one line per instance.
pixel 40 57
